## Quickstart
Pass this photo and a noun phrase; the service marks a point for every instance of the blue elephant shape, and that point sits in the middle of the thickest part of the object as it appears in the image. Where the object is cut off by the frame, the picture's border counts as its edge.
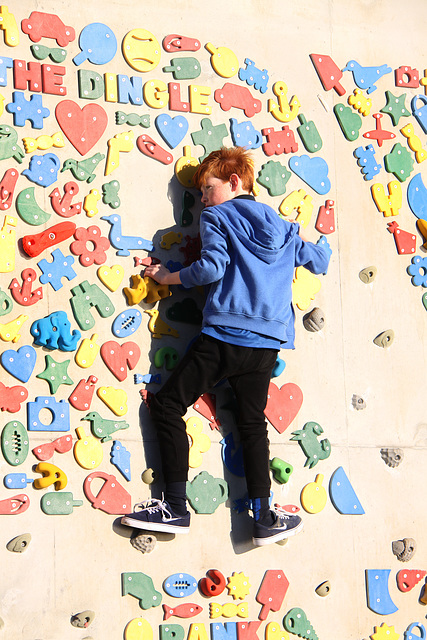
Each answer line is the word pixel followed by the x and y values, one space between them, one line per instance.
pixel 53 332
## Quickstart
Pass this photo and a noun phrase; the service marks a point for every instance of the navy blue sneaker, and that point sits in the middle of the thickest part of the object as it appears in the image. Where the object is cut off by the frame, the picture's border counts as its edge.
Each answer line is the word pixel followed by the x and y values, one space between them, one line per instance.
pixel 284 526
pixel 156 515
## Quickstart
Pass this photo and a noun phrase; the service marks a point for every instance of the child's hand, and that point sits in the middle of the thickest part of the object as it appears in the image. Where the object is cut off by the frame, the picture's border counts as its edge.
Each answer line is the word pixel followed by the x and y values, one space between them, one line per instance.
pixel 162 275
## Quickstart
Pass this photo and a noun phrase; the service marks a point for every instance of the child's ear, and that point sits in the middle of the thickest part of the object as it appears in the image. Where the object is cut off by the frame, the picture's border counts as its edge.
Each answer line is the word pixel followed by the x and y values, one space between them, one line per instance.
pixel 234 181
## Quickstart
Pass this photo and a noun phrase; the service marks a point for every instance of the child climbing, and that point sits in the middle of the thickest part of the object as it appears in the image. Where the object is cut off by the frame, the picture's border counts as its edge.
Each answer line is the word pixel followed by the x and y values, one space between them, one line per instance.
pixel 248 258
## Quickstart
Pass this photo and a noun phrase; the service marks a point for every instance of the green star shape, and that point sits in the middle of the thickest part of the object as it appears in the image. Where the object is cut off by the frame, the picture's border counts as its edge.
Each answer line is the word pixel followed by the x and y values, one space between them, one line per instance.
pixel 395 107
pixel 55 374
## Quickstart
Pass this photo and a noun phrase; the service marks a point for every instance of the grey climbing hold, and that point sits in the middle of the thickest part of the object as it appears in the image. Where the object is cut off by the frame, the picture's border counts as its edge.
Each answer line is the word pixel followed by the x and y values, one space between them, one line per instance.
pixel 368 274
pixel 358 402
pixel 20 543
pixel 149 476
pixel 143 542
pixel 404 549
pixel 83 620
pixel 385 339
pixel 314 320
pixel 323 589
pixel 392 457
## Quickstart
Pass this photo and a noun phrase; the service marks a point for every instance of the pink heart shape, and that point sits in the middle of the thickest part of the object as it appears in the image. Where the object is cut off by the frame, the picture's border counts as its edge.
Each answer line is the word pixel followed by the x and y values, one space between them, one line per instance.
pixel 82 126
pixel 283 405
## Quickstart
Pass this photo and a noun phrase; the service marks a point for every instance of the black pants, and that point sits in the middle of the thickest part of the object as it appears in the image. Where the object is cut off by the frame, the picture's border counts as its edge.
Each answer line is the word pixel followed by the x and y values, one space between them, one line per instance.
pixel 206 363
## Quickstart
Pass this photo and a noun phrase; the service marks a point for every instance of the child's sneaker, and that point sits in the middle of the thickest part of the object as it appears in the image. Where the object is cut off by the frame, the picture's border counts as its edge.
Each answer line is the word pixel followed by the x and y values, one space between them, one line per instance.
pixel 156 515
pixel 284 526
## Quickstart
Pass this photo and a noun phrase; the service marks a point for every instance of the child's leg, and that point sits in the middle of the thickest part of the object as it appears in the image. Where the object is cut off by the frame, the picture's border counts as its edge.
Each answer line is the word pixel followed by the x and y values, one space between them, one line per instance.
pixel 197 372
pixel 251 387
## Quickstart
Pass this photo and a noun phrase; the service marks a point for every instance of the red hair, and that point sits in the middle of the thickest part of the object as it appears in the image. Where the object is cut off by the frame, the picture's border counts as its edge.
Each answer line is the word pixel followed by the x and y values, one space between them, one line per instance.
pixel 222 163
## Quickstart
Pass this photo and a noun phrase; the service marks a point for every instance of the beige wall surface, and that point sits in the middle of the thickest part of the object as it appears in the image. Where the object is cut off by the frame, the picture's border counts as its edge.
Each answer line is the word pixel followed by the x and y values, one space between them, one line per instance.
pixel 76 561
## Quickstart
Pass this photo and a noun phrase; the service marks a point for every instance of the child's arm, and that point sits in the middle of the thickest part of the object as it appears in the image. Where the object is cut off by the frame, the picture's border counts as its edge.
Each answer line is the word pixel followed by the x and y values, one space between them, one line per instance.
pixel 162 275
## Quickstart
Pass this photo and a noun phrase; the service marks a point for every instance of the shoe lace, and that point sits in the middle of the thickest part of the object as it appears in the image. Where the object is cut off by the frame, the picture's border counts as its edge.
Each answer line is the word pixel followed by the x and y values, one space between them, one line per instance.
pixel 281 513
pixel 152 506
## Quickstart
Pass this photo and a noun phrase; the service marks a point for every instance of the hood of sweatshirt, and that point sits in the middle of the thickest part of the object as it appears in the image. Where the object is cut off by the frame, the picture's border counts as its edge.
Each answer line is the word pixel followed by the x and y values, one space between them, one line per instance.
pixel 260 229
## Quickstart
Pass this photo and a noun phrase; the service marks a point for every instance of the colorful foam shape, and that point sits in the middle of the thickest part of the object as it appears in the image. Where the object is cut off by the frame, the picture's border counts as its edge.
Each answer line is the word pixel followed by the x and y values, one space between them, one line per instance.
pixel 405 241
pixel 390 203
pixel 213 585
pixel 141 50
pixel 31 110
pixel 328 72
pixel 20 363
pixel 271 592
pixel 81 397
pixel 309 134
pixel 172 130
pixel 28 209
pixel 179 585
pixel 86 296
pixel 254 77
pixel 16 481
pixel 184 68
pixel 296 621
pixel 418 270
pixel 124 243
pixel 342 494
pixel 314 171
pixel 378 133
pixel 127 323
pixel 45 451
pixel 313 449
pixel 141 586
pixel 60 267
pixel 378 596
pixel 233 95
pixel 210 137
pixel 395 107
pixel 274 177
pixel 115 399
pixel 103 428
pixel 98 44
pixel 55 373
pixel 349 121
pixel 175 42
pixel 283 405
pixel 409 635
pixel 112 276
pixel 112 498
pixel 120 357
pixel 51 475
pixel 88 450
pixel 244 134
pixel 53 332
pixel 90 245
pixel 62 503
pixel 83 126
pixel 399 162
pixel 223 60
pixel 305 285
pixel 84 169
pixel 152 149
pixel 47 25
pixel 120 458
pixel 367 161
pixel 420 113
pixel 9 331
pixel 6 303
pixel 417 197
pixel 281 470
pixel 313 495
pixel 14 443
pixel 283 110
pixel 199 441
pixel 43 170
pixel 205 493
pixel 60 414
pixel 366 77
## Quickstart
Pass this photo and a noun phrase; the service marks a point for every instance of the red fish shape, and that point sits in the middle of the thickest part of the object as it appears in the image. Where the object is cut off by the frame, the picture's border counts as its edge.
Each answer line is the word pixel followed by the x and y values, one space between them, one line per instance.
pixel 187 610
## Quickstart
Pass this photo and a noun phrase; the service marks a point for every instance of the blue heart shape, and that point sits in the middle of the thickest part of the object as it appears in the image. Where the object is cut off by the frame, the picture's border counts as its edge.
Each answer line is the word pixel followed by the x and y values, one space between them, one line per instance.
pixel 172 130
pixel 21 363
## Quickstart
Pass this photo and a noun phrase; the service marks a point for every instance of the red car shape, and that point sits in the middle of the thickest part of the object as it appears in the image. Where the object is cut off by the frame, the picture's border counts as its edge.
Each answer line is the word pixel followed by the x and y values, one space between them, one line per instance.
pixel 47 25
pixel 233 95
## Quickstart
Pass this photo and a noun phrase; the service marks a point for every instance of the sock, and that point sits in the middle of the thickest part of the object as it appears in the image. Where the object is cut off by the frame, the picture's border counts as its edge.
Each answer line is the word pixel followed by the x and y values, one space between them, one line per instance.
pixel 262 512
pixel 176 497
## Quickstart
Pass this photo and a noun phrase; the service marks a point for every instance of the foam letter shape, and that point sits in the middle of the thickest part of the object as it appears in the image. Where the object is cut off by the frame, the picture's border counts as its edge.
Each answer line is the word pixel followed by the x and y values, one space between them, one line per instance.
pixel 343 495
pixel 378 596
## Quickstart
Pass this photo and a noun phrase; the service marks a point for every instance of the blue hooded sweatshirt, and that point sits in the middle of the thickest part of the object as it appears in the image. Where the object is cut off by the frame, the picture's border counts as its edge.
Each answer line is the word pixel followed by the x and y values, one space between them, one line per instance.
pixel 249 254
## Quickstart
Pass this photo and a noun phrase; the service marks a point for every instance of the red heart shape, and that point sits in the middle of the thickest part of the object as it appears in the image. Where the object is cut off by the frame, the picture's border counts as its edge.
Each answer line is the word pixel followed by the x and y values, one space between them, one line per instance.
pixel 283 405
pixel 83 127
pixel 118 357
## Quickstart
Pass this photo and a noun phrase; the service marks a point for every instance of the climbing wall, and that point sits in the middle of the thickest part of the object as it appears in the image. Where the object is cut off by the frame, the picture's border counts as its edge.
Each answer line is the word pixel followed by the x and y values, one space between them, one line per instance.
pixel 107 108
